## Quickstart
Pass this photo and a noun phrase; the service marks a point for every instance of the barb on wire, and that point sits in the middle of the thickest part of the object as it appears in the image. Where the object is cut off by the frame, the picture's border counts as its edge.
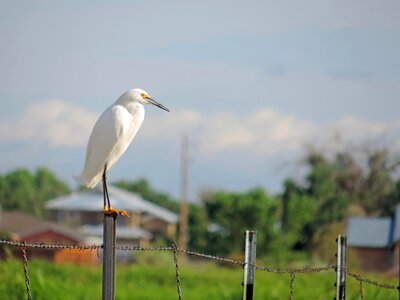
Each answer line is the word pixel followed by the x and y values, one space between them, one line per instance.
pixel 178 280
pixel 25 263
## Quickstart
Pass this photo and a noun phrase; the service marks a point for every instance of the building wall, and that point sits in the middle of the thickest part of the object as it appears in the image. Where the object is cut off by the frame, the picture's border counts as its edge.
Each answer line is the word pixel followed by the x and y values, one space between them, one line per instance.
pixel 46 237
pixel 394 259
pixel 374 259
pixel 77 218
pixel 76 256
pixel 133 220
pixel 159 226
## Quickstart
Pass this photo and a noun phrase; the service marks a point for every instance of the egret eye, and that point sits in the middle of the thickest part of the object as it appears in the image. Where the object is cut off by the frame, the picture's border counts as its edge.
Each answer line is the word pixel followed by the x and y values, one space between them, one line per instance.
pixel 144 95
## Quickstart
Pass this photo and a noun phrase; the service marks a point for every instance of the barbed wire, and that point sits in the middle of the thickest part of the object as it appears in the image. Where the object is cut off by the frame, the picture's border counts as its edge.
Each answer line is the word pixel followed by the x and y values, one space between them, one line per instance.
pixel 292 277
pixel 178 279
pixel 360 286
pixel 373 282
pixel 50 246
pixel 25 263
pixel 293 271
pixel 201 255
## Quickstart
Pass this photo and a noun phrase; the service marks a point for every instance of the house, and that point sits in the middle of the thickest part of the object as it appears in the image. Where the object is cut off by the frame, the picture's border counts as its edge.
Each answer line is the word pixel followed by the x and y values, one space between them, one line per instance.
pixel 19 226
pixel 77 219
pixel 375 241
pixel 85 210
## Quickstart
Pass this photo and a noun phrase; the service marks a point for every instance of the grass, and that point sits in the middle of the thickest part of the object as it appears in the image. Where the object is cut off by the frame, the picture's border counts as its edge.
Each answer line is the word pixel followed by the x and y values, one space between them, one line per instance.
pixel 154 278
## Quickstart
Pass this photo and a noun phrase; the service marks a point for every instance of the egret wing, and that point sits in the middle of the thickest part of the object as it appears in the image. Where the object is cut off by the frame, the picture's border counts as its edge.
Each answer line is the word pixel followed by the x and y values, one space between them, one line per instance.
pixel 107 136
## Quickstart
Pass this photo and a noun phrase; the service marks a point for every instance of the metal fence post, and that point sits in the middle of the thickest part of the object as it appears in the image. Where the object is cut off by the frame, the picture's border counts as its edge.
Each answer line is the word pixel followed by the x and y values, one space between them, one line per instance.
pixel 341 268
pixel 249 264
pixel 109 257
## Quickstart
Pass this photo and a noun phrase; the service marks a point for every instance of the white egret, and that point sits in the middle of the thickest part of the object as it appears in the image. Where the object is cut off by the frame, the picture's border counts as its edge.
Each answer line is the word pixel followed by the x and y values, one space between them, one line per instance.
pixel 111 136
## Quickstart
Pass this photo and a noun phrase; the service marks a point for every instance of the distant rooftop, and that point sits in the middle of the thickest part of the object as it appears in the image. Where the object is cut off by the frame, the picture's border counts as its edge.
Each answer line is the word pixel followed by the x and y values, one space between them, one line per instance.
pixel 92 200
pixel 374 232
pixel 369 232
pixel 22 225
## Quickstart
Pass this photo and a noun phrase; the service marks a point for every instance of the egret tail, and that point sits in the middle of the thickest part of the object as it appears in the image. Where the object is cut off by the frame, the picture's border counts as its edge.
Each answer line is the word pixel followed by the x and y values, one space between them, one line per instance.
pixel 88 183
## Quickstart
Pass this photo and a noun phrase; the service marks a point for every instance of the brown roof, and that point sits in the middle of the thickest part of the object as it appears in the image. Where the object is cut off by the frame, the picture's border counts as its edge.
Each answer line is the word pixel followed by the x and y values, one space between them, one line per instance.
pixel 23 225
pixel 15 221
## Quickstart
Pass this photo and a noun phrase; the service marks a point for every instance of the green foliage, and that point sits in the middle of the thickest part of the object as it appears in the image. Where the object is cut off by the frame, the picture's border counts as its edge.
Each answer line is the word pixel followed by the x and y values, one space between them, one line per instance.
pixel 199 281
pixel 27 191
pixel 331 200
pixel 298 216
pixel 379 188
pixel 197 228
pixel 237 212
pixel 333 187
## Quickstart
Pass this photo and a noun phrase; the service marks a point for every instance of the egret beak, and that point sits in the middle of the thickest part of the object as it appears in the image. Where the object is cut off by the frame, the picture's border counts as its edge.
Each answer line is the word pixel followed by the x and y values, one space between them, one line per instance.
pixel 154 102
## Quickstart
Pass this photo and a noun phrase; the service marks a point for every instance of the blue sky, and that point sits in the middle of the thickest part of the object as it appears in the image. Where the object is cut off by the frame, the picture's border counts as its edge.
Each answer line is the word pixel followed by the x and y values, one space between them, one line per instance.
pixel 252 83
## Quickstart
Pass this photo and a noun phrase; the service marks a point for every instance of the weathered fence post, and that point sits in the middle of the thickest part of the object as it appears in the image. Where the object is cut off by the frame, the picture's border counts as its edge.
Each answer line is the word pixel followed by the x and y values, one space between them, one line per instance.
pixel 341 268
pixel 249 265
pixel 109 257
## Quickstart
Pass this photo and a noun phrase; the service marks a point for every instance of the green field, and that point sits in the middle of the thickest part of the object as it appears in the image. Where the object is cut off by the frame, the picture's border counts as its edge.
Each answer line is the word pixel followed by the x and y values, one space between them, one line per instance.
pixel 155 279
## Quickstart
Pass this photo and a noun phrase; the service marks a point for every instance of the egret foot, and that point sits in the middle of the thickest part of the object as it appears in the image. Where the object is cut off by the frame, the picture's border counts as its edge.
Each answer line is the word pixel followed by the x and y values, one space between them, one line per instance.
pixel 115 212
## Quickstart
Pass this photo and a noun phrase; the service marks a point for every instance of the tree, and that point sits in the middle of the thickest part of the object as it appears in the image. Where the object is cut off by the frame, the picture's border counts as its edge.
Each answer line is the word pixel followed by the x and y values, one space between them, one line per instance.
pixel 23 190
pixel 332 189
pixel 298 217
pixel 236 212
pixel 379 189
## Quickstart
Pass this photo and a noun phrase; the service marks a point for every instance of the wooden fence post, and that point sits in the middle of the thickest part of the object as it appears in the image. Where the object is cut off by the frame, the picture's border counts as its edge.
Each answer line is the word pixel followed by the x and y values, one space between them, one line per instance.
pixel 249 265
pixel 109 257
pixel 341 268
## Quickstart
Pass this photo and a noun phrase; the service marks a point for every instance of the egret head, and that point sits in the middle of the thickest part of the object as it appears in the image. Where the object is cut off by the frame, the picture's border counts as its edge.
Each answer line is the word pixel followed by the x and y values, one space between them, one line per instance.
pixel 143 97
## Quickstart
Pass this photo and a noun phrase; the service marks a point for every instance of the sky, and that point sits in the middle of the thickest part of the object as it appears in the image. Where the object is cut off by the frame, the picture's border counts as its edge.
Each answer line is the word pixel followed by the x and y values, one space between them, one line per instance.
pixel 253 84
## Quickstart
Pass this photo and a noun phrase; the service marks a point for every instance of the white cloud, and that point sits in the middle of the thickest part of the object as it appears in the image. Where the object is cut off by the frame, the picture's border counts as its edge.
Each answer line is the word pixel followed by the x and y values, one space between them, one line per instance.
pixel 265 132
pixel 262 133
pixel 353 133
pixel 56 122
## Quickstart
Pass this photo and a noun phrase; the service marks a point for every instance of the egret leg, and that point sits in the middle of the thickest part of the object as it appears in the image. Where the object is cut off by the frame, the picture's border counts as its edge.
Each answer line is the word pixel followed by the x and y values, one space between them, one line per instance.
pixel 107 206
pixel 105 191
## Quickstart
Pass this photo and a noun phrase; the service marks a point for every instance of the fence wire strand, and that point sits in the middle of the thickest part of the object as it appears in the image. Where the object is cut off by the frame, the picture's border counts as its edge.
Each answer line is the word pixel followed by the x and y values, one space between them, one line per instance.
pixel 178 280
pixel 292 277
pixel 25 263
pixel 373 282
pixel 205 256
pixel 361 286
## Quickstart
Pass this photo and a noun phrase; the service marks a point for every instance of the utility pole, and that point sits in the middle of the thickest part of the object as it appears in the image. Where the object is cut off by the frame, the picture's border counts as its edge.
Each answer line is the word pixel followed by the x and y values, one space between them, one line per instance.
pixel 183 214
